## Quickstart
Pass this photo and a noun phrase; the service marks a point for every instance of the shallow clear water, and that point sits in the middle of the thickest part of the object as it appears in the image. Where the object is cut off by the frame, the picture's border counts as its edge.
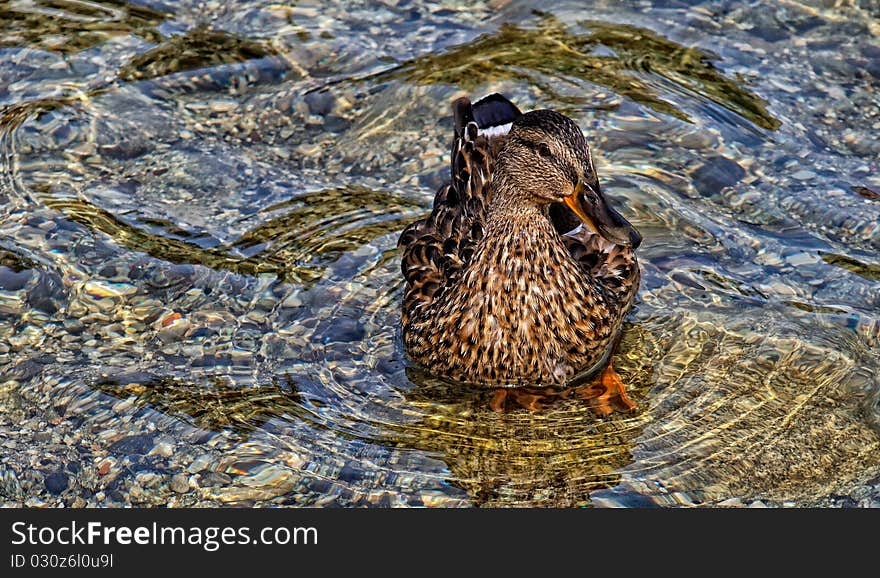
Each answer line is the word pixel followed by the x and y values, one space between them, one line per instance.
pixel 200 288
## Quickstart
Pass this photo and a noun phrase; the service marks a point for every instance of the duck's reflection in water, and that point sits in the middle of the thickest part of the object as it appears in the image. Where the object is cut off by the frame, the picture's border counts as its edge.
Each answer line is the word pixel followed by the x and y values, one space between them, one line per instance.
pixel 522 447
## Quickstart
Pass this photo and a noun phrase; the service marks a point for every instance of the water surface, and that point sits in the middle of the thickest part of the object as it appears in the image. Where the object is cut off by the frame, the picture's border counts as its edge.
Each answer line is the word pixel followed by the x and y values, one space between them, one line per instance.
pixel 200 286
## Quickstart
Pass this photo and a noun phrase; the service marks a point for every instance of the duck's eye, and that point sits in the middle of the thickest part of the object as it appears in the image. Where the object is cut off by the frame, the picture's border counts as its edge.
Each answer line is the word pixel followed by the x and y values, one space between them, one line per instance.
pixel 544 150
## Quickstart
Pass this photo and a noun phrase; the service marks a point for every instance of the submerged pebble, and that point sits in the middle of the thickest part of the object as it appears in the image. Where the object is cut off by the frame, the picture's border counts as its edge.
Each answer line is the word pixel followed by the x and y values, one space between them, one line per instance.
pixel 179 484
pixel 102 289
pixel 716 174
pixel 56 482
pixel 136 444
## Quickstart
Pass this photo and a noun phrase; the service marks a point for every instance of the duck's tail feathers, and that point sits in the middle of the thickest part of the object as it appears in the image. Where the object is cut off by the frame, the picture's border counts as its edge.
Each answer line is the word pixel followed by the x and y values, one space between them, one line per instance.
pixel 491 116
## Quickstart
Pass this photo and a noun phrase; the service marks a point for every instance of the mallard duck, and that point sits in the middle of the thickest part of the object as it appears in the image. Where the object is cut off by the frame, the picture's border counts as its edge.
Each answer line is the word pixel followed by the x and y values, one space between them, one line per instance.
pixel 523 272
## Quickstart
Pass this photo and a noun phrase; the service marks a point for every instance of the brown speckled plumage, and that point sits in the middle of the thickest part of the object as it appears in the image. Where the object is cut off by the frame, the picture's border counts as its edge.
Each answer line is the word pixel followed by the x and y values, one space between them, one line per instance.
pixel 497 293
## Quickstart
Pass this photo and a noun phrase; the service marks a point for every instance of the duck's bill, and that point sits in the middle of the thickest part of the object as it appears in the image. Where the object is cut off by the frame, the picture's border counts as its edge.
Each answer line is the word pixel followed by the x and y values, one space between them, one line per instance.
pixel 601 217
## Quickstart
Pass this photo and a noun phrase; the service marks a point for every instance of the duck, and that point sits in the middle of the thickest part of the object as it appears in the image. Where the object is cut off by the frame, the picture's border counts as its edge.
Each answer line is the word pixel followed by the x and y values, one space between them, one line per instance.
pixel 521 276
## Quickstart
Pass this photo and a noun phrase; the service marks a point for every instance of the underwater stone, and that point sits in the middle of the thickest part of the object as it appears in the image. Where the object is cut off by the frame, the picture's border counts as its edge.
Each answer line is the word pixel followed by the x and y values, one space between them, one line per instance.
pixel 334 123
pixel 137 444
pixel 102 289
pixel 715 174
pixel 11 280
pixel 211 478
pixel 179 484
pixel 9 484
pixel 344 329
pixel 174 330
pixel 320 102
pixel 126 149
pixel 56 482
pixel 768 28
pixel 43 295
pixel 872 53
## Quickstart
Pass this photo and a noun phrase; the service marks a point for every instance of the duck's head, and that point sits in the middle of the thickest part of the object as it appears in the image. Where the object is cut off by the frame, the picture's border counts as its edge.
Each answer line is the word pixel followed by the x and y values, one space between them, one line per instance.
pixel 545 160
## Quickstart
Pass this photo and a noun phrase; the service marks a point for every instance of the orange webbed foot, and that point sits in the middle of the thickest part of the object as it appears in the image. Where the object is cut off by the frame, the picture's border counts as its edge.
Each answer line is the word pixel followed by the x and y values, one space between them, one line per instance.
pixel 525 398
pixel 607 393
pixel 496 404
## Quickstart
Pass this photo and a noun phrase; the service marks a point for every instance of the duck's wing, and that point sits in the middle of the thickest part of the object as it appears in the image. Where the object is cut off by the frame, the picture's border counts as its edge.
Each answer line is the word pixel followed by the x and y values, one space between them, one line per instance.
pixel 612 267
pixel 436 248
